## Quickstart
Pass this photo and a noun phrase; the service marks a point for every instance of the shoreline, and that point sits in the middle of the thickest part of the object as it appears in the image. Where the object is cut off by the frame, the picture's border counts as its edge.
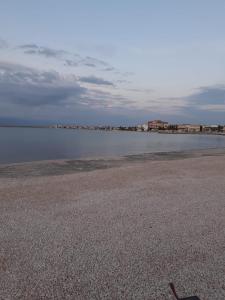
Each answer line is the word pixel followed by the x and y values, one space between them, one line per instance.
pixel 119 130
pixel 123 231
pixel 70 166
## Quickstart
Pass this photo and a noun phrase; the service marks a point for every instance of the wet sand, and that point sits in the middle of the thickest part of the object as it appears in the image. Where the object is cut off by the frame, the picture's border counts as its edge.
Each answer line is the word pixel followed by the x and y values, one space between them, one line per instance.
pixel 62 167
pixel 119 228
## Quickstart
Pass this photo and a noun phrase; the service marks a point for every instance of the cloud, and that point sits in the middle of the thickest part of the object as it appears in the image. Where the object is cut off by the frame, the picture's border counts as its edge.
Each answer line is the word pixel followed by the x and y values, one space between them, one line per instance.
pixel 208 95
pixel 29 46
pixel 214 107
pixel 43 51
pixel 207 98
pixel 124 74
pixel 27 93
pixel 17 74
pixel 69 59
pixel 91 65
pixel 208 101
pixel 3 44
pixel 95 80
pixel 204 105
pixel 95 61
pixel 28 87
pixel 108 69
pixel 71 63
pixel 32 94
pixel 137 90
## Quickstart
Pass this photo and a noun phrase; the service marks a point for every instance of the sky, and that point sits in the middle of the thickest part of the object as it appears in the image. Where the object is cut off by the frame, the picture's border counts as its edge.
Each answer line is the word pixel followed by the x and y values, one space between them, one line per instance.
pixel 112 62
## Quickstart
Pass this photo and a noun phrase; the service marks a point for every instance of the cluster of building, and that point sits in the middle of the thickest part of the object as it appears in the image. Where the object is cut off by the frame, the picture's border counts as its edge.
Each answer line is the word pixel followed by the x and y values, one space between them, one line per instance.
pixel 161 126
pixel 156 126
pixel 102 127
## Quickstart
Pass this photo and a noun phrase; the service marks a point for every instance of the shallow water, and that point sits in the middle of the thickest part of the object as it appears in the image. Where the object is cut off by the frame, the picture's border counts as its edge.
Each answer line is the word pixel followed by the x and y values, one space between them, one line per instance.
pixel 29 144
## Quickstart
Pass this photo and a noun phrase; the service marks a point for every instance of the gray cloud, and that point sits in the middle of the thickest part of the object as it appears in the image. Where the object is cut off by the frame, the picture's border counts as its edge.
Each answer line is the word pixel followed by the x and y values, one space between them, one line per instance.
pixel 109 69
pixel 139 90
pixel 204 105
pixel 208 95
pixel 124 74
pixel 69 59
pixel 95 80
pixel 43 51
pixel 16 74
pixel 91 65
pixel 25 90
pixel 28 87
pixel 31 94
pixel 29 46
pixel 95 61
pixel 201 98
pixel 71 63
pixel 3 44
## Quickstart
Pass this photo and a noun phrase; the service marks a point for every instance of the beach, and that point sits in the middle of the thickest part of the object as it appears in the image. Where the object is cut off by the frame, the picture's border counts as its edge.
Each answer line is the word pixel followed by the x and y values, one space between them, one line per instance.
pixel 119 228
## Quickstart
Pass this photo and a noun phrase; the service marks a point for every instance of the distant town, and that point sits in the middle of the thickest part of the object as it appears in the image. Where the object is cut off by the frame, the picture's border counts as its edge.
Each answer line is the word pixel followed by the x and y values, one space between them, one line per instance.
pixel 155 126
pixel 158 126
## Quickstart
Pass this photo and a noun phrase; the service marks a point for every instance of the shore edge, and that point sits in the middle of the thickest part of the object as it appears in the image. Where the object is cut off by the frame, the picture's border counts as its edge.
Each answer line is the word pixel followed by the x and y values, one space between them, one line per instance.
pixel 69 166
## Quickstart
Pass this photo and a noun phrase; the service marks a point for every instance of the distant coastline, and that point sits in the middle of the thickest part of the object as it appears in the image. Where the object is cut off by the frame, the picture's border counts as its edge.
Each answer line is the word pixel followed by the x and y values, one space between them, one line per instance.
pixel 25 126
pixel 121 128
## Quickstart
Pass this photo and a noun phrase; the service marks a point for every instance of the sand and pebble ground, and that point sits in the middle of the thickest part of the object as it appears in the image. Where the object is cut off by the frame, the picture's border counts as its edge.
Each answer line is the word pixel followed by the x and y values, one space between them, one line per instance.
pixel 114 228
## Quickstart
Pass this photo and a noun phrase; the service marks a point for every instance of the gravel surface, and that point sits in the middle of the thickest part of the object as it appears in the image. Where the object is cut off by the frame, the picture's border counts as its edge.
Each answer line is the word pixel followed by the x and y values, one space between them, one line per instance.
pixel 115 233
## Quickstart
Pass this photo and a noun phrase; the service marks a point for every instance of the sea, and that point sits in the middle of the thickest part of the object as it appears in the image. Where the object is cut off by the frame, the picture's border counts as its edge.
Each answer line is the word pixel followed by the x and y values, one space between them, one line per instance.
pixel 33 144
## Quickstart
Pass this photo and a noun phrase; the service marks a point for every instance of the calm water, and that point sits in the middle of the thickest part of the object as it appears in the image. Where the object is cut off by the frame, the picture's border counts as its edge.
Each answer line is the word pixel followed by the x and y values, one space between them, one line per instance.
pixel 28 144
